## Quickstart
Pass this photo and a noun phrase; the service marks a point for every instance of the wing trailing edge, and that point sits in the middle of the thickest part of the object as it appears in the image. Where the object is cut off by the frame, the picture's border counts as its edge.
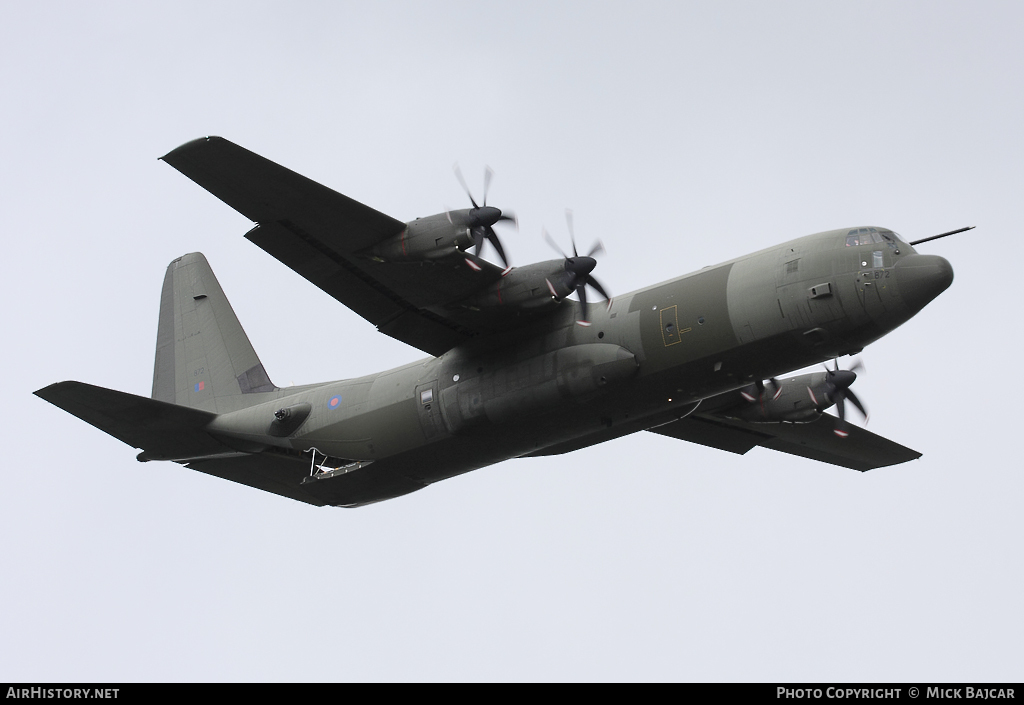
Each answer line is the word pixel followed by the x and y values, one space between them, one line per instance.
pixel 861 450
pixel 328 238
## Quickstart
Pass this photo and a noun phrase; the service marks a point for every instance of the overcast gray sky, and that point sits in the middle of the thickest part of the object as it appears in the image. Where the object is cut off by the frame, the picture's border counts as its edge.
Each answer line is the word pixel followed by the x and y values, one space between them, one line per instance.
pixel 682 135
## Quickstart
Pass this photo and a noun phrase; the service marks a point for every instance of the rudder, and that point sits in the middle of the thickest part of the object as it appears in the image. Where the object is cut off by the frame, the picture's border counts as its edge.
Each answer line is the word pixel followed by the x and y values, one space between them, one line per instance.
pixel 203 356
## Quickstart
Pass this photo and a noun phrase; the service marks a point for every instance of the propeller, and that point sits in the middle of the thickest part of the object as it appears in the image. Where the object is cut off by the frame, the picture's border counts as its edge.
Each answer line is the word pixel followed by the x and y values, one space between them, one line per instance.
pixel 837 388
pixel 579 269
pixel 756 390
pixel 483 217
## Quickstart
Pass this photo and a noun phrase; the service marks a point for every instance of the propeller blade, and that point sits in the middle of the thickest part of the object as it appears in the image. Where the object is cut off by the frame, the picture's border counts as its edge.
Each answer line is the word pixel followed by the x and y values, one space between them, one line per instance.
pixel 497 245
pixel 554 245
pixel 597 249
pixel 841 406
pixel 581 291
pixel 488 173
pixel 458 175
pixel 598 288
pixel 856 403
pixel 572 234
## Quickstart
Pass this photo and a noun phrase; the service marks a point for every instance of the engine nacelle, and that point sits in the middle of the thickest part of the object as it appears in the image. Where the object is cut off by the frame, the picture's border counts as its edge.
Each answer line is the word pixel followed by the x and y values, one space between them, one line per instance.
pixel 526 288
pixel 427 238
pixel 799 399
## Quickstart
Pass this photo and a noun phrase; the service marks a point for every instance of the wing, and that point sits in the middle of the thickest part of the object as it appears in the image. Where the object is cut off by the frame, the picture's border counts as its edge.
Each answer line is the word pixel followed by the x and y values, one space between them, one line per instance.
pixel 862 450
pixel 319 233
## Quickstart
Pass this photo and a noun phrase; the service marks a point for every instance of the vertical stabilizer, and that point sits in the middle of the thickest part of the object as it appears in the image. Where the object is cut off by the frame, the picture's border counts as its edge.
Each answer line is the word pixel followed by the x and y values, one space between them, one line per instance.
pixel 204 359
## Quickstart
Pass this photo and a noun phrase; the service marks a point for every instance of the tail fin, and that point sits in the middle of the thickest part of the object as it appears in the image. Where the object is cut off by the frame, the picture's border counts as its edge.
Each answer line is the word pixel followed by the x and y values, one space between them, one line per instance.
pixel 203 357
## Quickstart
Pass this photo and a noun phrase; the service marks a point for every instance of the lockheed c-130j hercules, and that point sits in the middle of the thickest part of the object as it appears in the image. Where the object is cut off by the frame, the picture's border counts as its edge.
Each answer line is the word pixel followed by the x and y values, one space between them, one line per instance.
pixel 516 368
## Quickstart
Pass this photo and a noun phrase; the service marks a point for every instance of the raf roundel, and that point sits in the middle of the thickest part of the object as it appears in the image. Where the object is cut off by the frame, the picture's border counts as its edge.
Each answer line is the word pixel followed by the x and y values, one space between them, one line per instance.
pixel 334 402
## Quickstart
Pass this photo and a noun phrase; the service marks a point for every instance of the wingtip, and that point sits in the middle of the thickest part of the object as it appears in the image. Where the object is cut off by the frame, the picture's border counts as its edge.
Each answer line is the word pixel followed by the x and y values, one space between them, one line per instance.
pixel 47 393
pixel 189 146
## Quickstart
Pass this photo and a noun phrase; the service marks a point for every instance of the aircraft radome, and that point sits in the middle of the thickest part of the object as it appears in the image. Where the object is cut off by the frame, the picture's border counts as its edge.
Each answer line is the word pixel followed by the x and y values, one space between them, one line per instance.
pixel 515 368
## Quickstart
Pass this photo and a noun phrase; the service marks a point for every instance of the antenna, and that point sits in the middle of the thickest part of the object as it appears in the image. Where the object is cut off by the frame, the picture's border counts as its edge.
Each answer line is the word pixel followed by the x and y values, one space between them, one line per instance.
pixel 936 237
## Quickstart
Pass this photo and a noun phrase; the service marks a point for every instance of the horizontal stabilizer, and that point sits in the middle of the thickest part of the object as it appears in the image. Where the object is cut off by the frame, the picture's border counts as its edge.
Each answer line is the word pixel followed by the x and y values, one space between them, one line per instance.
pixel 861 450
pixel 163 430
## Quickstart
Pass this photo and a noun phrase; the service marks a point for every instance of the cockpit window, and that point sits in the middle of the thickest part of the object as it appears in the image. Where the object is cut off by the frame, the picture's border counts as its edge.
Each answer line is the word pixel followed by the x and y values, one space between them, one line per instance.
pixel 862 236
pixel 892 239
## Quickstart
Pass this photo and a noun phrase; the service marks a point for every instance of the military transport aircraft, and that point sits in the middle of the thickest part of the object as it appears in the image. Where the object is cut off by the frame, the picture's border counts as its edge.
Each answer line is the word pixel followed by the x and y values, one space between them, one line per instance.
pixel 516 369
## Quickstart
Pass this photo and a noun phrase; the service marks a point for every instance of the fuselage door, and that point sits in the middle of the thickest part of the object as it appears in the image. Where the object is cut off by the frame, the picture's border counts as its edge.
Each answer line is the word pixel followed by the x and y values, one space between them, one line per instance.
pixel 428 406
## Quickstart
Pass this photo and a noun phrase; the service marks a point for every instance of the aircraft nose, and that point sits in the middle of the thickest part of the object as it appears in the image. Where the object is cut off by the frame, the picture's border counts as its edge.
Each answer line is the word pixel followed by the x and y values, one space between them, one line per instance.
pixel 921 278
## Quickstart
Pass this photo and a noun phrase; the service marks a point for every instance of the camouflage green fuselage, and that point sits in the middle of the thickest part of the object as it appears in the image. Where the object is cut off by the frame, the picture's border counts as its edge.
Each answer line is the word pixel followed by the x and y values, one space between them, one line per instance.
pixel 646 360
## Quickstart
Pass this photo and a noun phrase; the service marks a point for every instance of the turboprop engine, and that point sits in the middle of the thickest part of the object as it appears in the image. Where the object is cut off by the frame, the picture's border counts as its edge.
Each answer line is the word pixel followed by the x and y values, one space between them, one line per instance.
pixel 799 399
pixel 525 288
pixel 440 235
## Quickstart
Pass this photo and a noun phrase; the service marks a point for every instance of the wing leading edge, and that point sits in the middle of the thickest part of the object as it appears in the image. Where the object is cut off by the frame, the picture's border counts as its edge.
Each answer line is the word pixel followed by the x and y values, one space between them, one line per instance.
pixel 320 234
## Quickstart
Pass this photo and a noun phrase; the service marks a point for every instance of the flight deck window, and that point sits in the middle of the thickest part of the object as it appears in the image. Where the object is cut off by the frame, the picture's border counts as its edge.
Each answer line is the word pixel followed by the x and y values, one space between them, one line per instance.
pixel 876 259
pixel 862 236
pixel 889 238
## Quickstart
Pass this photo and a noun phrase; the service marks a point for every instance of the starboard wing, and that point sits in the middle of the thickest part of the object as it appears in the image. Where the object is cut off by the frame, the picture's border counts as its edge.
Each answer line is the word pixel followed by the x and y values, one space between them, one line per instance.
pixel 320 233
pixel 861 450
